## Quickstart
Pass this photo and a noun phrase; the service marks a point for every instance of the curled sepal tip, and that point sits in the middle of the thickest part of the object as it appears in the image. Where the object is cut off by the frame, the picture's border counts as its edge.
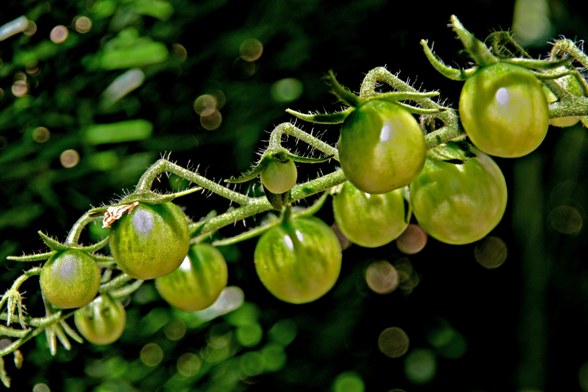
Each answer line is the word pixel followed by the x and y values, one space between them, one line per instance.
pixel 439 65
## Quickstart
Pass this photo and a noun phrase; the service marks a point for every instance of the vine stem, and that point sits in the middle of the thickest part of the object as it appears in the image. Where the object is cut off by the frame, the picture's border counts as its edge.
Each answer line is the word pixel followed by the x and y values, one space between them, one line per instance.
pixel 163 165
pixel 42 325
pixel 261 204
pixel 290 129
pixel 76 230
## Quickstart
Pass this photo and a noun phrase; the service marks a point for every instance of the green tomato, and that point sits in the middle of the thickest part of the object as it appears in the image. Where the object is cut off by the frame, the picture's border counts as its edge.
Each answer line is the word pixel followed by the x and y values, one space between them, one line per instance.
pixel 370 220
pixel 102 321
pixel 298 261
pixel 150 241
pixel 504 110
pixel 70 279
pixel 381 147
pixel 279 177
pixel 198 282
pixel 459 203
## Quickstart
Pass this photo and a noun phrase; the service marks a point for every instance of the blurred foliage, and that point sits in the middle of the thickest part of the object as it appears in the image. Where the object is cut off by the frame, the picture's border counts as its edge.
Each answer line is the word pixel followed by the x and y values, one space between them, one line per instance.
pixel 93 92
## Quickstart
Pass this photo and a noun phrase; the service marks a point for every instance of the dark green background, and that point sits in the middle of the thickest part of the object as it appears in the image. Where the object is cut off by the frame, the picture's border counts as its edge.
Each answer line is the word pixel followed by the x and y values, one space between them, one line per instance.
pixel 524 324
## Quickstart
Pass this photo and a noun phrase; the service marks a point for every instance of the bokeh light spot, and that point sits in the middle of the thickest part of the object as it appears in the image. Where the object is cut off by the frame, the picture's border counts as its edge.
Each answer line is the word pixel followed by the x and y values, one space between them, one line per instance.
pixel 59 34
pixel 252 363
pixel 381 277
pixel 249 335
pixel 205 102
pixel 180 51
pixel 175 329
pixel 274 356
pixel 13 27
pixel 283 332
pixel 251 49
pixel 151 354
pixel 286 90
pixel 348 382
pixel 211 119
pixel 393 342
pixel 218 349
pixel 420 366
pixel 447 341
pixel 412 240
pixel 244 69
pixel 41 135
pixel 82 24
pixel 491 252
pixel 33 70
pixel 407 277
pixel 566 220
pixel 20 88
pixel 188 364
pixel 40 387
pixel 69 158
pixel 31 28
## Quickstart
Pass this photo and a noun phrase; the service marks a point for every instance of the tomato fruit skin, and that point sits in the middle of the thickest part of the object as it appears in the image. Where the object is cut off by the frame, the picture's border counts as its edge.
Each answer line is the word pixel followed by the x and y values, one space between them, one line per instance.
pixel 370 220
pixel 279 177
pixel 101 322
pixel 150 241
pixel 459 203
pixel 504 110
pixel 198 282
pixel 298 261
pixel 381 147
pixel 70 279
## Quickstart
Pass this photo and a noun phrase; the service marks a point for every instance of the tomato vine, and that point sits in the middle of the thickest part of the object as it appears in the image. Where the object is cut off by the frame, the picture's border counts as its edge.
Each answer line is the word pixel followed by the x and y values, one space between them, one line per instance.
pixel 372 153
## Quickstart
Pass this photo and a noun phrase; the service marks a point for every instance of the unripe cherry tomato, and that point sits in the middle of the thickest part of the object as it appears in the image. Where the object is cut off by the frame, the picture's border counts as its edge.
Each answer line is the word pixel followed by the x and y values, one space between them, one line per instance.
pixel 381 147
pixel 70 279
pixel 199 280
pixel 370 220
pixel 459 203
pixel 298 261
pixel 279 177
pixel 102 321
pixel 504 110
pixel 150 241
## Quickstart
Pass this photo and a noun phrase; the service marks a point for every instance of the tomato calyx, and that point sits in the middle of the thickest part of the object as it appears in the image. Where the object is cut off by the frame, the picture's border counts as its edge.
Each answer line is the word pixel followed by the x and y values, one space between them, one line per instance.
pixel 277 172
pixel 368 93
pixel 456 152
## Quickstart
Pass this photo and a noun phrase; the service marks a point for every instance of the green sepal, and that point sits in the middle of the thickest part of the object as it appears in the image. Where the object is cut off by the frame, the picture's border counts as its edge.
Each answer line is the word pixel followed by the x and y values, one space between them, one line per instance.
pixel 52 243
pixel 534 64
pixel 343 93
pixel 278 201
pixel 456 152
pixel 323 118
pixel 249 175
pixel 154 197
pixel 30 258
pixel 445 70
pixel 91 248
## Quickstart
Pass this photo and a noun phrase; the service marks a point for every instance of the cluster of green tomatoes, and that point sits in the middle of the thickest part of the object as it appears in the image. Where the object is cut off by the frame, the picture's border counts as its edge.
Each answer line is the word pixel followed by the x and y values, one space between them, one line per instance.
pixel 394 173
